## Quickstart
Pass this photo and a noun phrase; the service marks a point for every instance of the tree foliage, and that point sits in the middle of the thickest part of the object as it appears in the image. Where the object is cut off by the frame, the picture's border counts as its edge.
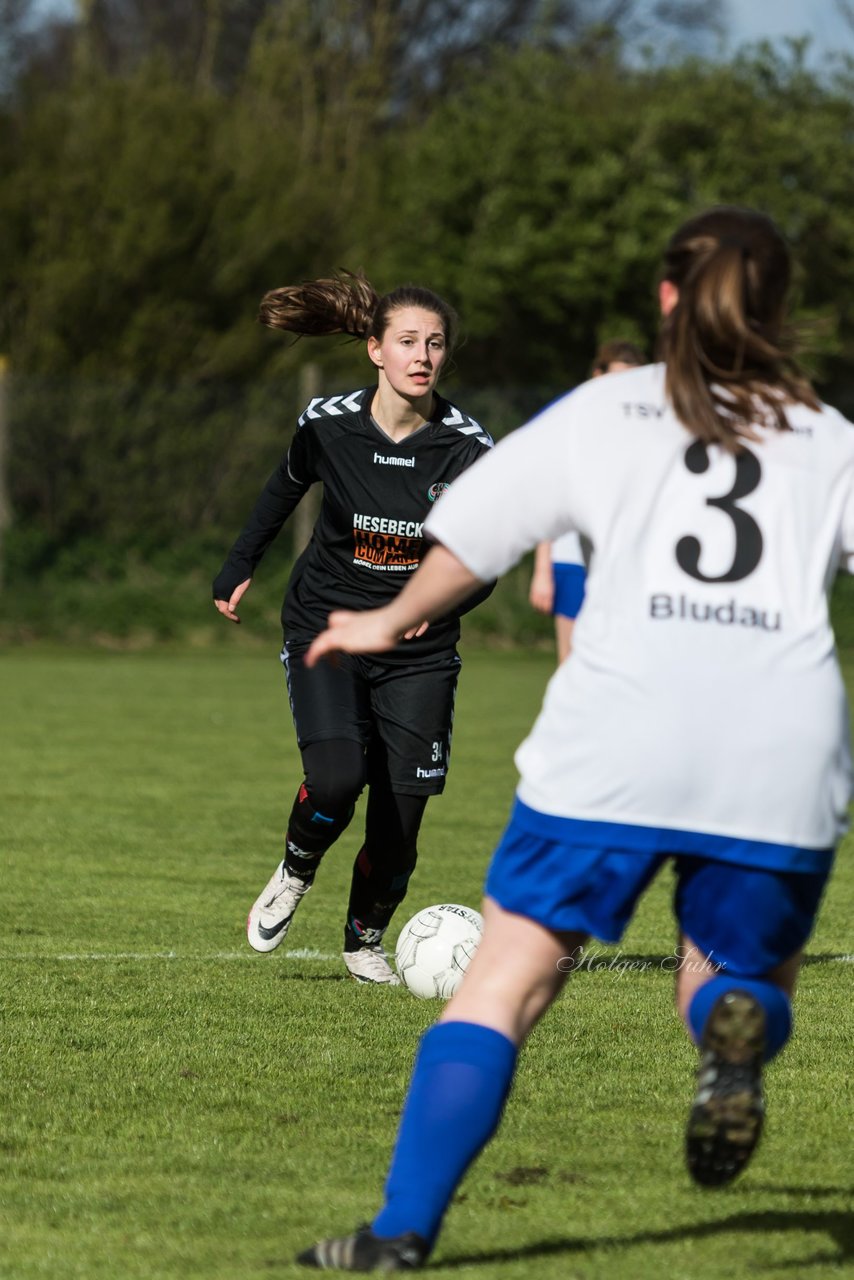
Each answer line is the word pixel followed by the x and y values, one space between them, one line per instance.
pixel 555 181
pixel 155 185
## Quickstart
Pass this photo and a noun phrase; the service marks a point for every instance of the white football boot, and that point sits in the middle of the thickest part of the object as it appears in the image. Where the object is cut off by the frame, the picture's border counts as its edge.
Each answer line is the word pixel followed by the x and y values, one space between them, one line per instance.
pixel 370 964
pixel 272 912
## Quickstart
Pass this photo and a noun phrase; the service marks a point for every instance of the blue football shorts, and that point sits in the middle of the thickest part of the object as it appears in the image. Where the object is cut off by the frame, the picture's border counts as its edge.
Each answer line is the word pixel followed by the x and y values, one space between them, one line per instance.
pixel 747 919
pixel 570 580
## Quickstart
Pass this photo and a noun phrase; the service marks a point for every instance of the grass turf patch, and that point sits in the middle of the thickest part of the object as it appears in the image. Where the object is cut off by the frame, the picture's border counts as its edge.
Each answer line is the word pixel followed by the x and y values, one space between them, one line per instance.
pixel 174 1105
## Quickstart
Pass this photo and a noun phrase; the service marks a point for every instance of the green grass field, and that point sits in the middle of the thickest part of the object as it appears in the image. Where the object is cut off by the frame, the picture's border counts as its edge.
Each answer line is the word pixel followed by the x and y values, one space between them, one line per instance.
pixel 175 1106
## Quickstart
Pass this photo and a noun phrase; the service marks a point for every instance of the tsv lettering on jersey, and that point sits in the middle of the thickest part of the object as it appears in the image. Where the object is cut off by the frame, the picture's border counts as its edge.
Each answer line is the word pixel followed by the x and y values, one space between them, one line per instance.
pixel 381 524
pixel 382 461
pixel 631 410
pixel 664 607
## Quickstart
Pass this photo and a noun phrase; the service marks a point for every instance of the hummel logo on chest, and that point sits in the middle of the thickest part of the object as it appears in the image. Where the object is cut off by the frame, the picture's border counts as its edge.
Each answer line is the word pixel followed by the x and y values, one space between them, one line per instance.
pixel 393 462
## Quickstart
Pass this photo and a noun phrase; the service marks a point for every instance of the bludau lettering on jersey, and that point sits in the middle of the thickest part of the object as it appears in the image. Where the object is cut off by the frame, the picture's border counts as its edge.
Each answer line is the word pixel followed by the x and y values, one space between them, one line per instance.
pixel 663 606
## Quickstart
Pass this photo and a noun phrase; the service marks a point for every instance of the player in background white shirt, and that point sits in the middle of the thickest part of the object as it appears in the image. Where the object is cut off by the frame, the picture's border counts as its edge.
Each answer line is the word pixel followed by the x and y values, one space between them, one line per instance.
pixel 700 719
pixel 560 569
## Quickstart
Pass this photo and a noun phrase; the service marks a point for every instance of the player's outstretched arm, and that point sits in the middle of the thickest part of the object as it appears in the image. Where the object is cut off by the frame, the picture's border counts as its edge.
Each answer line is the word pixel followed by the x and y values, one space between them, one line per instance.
pixel 228 608
pixel 440 582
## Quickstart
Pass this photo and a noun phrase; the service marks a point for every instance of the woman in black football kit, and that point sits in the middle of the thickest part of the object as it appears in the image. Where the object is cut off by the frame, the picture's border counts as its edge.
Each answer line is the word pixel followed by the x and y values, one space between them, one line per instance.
pixel 384 455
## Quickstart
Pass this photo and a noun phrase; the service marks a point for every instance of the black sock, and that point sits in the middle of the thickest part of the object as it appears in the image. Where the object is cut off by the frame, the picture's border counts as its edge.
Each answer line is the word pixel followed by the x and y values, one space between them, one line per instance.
pixel 375 895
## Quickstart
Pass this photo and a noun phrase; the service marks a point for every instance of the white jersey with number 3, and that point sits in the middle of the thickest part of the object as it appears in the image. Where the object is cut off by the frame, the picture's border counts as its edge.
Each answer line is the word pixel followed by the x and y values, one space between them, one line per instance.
pixel 703 692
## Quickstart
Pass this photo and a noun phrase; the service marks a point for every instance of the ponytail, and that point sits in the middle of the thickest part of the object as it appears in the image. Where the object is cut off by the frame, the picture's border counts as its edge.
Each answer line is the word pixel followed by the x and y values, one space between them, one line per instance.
pixel 730 367
pixel 344 304
pixel 347 303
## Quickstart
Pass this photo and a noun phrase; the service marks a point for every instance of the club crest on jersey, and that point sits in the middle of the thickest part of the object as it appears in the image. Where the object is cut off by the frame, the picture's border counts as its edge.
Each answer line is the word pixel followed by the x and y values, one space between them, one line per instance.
pixel 436 490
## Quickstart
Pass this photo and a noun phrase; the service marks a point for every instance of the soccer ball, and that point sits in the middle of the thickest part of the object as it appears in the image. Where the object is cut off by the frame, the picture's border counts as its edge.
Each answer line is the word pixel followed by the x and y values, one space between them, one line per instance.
pixel 435 947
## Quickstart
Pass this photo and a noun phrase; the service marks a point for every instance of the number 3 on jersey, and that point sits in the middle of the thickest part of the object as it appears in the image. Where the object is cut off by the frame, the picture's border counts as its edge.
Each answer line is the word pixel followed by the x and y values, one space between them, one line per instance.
pixel 748 535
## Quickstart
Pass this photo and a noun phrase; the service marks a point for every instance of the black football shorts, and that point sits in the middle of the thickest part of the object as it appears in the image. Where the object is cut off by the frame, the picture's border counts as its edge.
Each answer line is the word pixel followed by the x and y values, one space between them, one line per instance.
pixel 402 713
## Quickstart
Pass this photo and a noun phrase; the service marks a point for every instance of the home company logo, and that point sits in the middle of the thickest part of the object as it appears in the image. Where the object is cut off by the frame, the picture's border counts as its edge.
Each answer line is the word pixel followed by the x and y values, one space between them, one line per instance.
pixel 387 545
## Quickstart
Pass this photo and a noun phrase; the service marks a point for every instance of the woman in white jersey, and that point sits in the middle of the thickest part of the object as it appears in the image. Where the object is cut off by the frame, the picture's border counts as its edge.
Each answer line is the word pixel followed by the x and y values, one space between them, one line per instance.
pixel 701 717
pixel 560 574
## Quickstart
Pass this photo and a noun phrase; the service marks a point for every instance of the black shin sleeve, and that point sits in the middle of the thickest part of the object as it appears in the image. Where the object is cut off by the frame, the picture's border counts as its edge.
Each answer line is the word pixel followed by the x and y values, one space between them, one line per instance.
pixel 334 777
pixel 384 864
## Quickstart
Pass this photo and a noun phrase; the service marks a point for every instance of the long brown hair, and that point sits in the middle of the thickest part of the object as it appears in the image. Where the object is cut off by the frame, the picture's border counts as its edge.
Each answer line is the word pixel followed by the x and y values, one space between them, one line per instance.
pixel 730 365
pixel 348 303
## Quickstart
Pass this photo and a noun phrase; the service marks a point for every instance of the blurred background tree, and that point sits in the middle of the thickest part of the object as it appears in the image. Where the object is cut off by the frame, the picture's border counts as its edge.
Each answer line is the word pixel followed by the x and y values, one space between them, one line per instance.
pixel 165 162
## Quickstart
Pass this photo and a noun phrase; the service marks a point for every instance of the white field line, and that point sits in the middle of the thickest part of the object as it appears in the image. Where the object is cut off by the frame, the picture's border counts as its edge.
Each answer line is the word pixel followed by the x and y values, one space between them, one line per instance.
pixel 303 953
pixel 214 957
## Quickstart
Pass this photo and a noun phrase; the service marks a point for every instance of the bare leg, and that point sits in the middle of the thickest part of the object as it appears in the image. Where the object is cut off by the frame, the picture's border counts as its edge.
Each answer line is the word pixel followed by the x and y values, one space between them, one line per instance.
pixel 563 636
pixel 517 971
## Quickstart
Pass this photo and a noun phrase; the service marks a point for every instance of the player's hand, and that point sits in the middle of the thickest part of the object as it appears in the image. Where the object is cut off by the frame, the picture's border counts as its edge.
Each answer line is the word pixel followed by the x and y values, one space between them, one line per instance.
pixel 542 592
pixel 414 632
pixel 228 608
pixel 368 632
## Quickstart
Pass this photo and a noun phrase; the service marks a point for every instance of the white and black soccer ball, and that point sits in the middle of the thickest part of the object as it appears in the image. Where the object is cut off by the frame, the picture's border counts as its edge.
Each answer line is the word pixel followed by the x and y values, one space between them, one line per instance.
pixel 435 948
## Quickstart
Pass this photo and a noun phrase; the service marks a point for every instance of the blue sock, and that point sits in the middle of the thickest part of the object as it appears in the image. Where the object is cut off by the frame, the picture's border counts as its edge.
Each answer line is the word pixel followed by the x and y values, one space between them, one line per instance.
pixel 460 1081
pixel 775 1002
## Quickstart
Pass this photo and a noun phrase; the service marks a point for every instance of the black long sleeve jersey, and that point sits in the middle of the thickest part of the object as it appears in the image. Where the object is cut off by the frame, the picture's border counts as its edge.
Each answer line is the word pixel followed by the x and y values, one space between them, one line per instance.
pixel 376 494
